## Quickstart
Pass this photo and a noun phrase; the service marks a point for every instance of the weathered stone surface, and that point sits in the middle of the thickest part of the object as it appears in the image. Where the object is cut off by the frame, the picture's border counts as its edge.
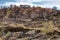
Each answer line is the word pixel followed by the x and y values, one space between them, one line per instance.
pixel 17 34
pixel 24 21
pixel 1 39
pixel 12 38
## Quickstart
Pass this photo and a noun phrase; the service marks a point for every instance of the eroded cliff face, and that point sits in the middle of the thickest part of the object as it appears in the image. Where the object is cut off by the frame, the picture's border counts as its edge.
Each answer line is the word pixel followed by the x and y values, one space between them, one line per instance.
pixel 26 19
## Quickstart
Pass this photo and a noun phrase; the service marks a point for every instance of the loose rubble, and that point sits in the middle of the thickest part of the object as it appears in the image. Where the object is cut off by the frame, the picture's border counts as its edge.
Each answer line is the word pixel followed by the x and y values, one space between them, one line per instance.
pixel 29 23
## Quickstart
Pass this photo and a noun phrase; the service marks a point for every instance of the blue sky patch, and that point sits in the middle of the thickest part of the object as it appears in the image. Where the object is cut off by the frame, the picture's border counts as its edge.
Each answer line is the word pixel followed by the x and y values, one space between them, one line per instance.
pixel 42 3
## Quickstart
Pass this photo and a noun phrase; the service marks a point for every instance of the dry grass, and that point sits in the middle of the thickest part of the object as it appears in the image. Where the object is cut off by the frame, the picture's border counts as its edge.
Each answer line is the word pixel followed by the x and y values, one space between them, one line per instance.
pixel 48 26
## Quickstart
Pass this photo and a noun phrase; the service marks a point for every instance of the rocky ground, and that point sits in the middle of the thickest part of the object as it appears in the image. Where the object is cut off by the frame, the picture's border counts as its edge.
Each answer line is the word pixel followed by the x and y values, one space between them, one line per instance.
pixel 29 35
pixel 14 31
pixel 29 23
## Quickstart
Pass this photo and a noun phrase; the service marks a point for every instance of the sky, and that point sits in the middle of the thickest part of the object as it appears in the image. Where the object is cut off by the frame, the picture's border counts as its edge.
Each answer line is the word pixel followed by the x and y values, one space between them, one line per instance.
pixel 42 3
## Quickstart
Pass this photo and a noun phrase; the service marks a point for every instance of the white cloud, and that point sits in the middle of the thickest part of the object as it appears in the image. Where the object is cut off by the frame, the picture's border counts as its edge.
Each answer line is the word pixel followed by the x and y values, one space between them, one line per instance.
pixel 49 4
pixel 28 0
pixel 16 3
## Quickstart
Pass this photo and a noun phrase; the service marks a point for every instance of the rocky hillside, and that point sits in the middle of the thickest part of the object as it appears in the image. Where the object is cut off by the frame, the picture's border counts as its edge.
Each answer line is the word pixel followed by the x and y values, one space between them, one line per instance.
pixel 27 12
pixel 29 23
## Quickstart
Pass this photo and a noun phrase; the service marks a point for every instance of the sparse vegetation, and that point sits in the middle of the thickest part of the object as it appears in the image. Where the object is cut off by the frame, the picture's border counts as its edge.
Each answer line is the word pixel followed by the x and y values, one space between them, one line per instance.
pixel 20 21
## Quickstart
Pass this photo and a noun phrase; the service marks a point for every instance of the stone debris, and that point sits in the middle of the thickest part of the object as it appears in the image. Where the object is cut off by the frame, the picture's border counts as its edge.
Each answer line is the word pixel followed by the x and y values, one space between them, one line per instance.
pixel 29 23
